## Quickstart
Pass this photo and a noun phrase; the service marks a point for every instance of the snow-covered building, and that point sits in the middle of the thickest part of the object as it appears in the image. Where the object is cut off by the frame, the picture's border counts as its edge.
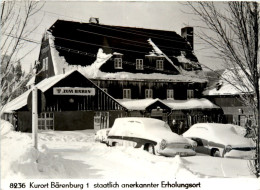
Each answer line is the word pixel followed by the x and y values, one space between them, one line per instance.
pixel 227 91
pixel 152 73
pixel 73 102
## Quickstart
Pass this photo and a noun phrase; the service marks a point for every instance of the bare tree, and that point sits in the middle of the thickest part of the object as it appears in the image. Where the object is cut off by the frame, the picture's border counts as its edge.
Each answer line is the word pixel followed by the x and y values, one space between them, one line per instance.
pixel 15 18
pixel 233 31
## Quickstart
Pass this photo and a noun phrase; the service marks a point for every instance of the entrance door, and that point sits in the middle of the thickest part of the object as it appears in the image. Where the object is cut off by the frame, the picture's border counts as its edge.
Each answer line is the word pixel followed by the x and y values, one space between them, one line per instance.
pixel 242 120
pixel 157 114
pixel 101 120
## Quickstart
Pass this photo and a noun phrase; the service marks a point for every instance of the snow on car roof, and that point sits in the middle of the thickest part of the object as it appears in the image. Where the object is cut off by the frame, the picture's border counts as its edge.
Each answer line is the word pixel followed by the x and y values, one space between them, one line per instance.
pixel 220 133
pixel 146 128
pixel 142 120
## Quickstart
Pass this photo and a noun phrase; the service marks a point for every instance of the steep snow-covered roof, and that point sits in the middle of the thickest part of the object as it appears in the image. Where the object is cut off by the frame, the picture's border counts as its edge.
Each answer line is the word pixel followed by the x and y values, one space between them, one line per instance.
pixel 21 100
pixel 93 71
pixel 142 104
pixel 89 48
pixel 44 85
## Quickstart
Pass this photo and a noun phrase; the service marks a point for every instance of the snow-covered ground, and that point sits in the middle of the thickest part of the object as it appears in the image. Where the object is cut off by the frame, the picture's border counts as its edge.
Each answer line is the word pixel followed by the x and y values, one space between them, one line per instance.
pixel 75 155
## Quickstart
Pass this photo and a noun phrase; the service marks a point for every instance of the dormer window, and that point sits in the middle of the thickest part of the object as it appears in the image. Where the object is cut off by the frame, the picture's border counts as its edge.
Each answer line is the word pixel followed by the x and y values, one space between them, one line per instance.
pixel 159 64
pixel 118 63
pixel 139 64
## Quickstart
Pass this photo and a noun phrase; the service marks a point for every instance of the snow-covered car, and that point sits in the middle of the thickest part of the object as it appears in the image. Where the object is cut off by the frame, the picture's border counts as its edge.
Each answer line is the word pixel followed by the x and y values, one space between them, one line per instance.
pixel 101 135
pixel 153 135
pixel 221 140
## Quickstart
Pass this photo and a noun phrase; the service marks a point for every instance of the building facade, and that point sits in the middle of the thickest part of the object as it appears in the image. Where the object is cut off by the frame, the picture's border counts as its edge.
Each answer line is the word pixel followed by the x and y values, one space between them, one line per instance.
pixel 155 70
pixel 230 97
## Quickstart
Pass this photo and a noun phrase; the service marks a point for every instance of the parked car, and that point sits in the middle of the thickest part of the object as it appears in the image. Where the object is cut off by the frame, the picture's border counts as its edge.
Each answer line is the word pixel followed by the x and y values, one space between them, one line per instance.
pixel 221 140
pixel 153 135
pixel 101 135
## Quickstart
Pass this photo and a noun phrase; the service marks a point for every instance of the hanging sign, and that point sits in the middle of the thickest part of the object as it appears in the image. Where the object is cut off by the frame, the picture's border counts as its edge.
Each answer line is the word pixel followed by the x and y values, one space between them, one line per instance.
pixel 74 91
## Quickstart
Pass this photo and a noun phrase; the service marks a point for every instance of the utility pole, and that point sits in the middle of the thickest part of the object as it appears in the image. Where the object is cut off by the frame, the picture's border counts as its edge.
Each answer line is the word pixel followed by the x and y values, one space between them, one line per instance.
pixel 35 116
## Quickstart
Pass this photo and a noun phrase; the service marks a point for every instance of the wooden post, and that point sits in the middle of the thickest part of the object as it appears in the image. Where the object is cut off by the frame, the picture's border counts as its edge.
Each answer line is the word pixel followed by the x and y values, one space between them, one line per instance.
pixel 34 118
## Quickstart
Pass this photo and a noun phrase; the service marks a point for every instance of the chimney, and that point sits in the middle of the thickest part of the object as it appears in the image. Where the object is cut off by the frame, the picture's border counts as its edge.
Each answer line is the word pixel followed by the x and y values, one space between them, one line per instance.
pixel 94 20
pixel 187 33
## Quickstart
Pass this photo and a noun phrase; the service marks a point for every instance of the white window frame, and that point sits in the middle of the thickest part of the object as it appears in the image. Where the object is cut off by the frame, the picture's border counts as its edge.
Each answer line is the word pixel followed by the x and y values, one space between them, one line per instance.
pixel 160 64
pixel 126 93
pixel 118 63
pixel 46 121
pixel 149 93
pixel 170 94
pixel 139 64
pixel 190 94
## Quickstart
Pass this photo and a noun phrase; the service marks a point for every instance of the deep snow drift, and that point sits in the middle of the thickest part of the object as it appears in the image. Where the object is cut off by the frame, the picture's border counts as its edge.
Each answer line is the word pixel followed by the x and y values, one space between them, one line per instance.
pixel 76 155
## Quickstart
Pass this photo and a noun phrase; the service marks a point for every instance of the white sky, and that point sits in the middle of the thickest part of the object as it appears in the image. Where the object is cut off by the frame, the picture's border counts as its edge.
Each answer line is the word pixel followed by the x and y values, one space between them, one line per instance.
pixel 164 15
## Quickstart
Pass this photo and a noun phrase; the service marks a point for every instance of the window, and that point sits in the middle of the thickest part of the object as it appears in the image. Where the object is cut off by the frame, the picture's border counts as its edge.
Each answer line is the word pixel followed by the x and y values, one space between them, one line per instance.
pixel 148 93
pixel 45 64
pixel 159 64
pixel 126 93
pixel 118 63
pixel 139 64
pixel 190 94
pixel 170 94
pixel 46 121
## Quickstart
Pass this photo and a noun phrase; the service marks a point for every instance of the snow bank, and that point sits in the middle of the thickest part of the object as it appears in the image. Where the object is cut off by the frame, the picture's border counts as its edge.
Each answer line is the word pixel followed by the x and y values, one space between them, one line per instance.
pixel 6 127
pixel 75 155
pixel 19 159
